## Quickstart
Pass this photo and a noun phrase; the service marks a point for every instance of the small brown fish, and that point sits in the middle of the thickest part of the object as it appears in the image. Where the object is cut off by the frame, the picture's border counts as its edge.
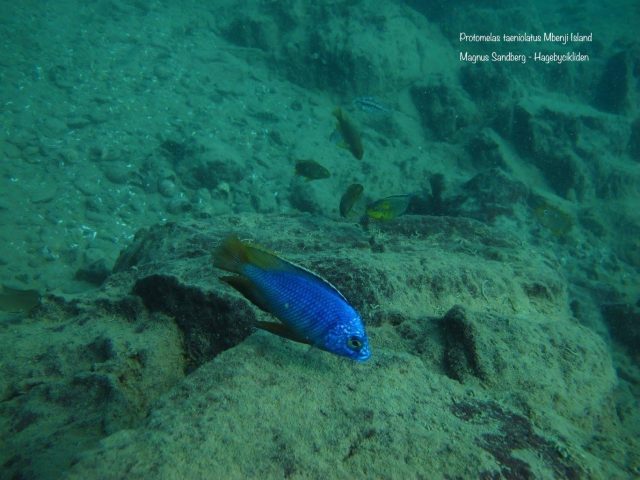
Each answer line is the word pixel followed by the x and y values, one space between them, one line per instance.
pixel 349 198
pixel 349 134
pixel 388 208
pixel 311 170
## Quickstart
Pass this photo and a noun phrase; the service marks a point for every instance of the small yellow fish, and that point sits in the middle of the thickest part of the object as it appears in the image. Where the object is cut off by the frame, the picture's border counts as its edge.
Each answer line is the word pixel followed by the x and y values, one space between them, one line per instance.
pixel 311 170
pixel 349 134
pixel 349 198
pixel 388 208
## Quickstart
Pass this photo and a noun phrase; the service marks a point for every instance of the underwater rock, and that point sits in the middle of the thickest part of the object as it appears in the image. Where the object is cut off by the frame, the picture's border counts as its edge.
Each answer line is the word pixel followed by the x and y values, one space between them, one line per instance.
pixel 485 83
pixel 434 201
pixel 436 197
pixel 164 313
pixel 634 140
pixel 96 272
pixel 443 110
pixel 167 188
pixel 485 150
pixel 119 172
pixel 612 92
pixel 624 323
pixel 201 418
pixel 252 33
pixel 88 186
pixel 547 138
pixel 179 151
pixel 304 197
pixel 313 47
pixel 514 432
pixel 179 203
pixel 76 376
pixel 480 347
pixel 210 322
pixel 206 173
pixel 489 194
pixel 571 146
pixel 460 351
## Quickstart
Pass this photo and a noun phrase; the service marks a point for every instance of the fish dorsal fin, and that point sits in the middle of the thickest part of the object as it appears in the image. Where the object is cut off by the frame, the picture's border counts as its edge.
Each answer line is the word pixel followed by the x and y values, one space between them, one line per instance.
pixel 293 267
pixel 234 255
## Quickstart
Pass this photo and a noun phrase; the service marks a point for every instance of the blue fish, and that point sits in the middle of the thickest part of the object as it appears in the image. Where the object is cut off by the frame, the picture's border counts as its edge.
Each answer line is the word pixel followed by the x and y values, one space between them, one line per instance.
pixel 309 308
pixel 371 105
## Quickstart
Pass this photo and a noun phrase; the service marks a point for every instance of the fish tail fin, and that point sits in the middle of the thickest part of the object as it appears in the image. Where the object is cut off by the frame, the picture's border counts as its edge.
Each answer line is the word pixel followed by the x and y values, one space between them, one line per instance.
pixel 233 255
pixel 337 112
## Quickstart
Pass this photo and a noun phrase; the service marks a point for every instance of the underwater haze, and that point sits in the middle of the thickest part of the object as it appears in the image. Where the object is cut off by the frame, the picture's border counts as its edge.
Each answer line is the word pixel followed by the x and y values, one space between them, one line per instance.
pixel 311 240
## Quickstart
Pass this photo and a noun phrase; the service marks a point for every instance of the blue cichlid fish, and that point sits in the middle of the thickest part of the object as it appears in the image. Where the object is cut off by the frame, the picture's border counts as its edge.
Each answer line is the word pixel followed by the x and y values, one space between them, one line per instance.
pixel 371 105
pixel 309 308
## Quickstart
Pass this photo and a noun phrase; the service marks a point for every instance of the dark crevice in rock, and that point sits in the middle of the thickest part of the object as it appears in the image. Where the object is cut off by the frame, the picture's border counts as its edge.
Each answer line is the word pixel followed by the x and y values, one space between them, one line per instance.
pixel 209 322
pixel 461 357
pixel 623 321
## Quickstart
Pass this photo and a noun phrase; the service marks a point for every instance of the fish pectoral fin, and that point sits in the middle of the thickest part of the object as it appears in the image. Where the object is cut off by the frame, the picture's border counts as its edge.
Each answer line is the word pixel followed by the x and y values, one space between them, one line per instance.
pixel 282 330
pixel 247 289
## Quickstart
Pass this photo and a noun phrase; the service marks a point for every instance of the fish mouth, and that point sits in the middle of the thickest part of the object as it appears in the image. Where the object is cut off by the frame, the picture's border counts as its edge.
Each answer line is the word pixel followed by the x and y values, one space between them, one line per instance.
pixel 364 354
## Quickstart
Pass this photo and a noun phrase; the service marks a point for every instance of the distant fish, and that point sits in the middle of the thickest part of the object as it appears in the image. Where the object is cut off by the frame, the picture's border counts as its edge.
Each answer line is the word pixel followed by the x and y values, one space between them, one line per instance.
pixel 349 198
pixel 388 208
pixel 311 170
pixel 553 218
pixel 311 310
pixel 348 134
pixel 371 105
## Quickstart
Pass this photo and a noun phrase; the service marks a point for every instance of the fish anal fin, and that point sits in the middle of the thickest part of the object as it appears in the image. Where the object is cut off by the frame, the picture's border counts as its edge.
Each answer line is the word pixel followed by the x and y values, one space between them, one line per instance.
pixel 282 330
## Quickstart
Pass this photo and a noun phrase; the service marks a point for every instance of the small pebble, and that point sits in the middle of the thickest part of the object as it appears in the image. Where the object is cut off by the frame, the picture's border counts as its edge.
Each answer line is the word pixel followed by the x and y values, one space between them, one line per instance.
pixel 167 188
pixel 89 186
pixel 162 71
pixel 203 195
pixel 70 155
pixel 118 172
pixel 178 204
pixel 53 126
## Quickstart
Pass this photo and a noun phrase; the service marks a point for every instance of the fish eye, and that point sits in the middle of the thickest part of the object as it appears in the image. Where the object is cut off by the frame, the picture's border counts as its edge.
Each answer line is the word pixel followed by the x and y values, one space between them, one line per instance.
pixel 354 343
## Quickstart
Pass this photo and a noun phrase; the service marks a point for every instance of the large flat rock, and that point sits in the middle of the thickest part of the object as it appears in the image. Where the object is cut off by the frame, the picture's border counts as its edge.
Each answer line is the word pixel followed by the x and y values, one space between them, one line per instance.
pixel 478 368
